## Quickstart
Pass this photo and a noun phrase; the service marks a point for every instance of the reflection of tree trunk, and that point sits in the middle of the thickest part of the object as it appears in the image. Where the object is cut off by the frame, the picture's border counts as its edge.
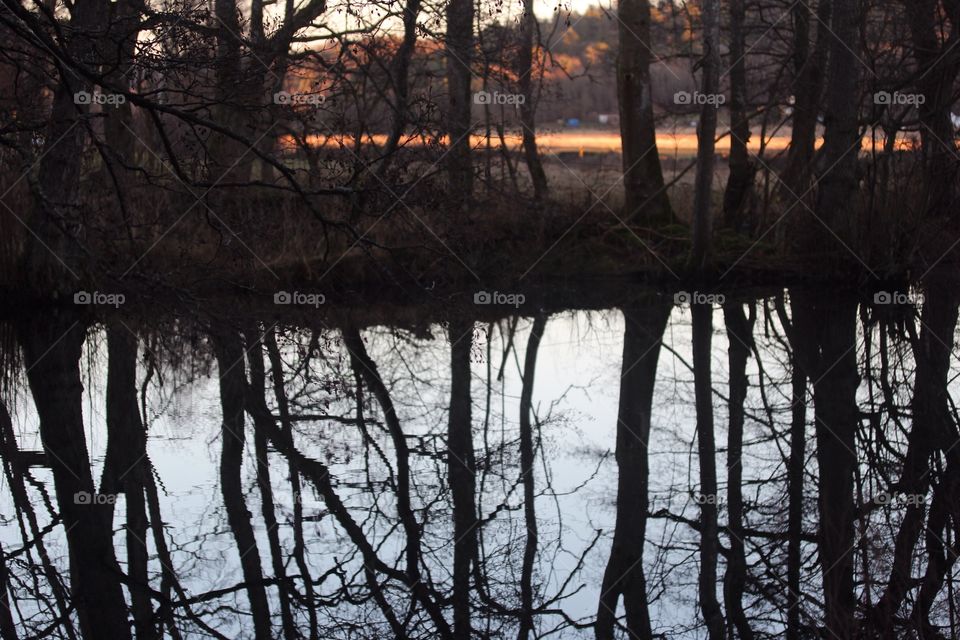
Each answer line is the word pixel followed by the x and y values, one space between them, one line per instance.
pixel 461 467
pixel 709 535
pixel 8 629
pixel 168 578
pixel 459 44
pixel 644 327
pixel 528 24
pixel 740 338
pixel 798 460
pixel 257 397
pixel 527 456
pixel 795 470
pixel 825 327
pixel 229 352
pixel 364 365
pixel 944 514
pixel 740 181
pixel 16 471
pixel 123 467
pixel 931 429
pixel 642 176
pixel 52 352
pixel 299 544
pixel 320 476
pixel 706 137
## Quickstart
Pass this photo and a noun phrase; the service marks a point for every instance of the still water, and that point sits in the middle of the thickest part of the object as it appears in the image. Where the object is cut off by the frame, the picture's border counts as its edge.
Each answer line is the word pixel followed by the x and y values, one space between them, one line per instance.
pixel 643 470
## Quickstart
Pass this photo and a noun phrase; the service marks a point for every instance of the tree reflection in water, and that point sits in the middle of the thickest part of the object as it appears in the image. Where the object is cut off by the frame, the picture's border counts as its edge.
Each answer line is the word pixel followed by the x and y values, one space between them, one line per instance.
pixel 782 465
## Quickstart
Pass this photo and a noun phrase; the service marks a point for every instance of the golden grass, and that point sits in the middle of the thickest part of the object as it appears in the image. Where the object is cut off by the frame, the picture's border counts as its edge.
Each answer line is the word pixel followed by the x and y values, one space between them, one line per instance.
pixel 680 142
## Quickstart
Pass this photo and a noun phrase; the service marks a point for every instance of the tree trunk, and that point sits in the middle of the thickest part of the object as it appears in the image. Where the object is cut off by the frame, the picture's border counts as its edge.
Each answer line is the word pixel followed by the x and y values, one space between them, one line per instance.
pixel 841 140
pixel 742 170
pixel 808 72
pixel 528 25
pixel 706 138
pixel 644 190
pixel 459 43
pixel 401 82
pixel 52 249
pixel 624 575
pixel 937 73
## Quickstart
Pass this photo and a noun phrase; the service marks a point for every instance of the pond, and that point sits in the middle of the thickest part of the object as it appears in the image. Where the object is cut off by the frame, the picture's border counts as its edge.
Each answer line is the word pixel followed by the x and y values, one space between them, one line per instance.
pixel 626 463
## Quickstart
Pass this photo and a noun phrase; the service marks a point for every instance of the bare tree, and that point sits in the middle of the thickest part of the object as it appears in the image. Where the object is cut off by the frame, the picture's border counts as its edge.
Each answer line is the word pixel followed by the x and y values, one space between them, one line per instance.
pixel 706 137
pixel 459 54
pixel 525 72
pixel 644 189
